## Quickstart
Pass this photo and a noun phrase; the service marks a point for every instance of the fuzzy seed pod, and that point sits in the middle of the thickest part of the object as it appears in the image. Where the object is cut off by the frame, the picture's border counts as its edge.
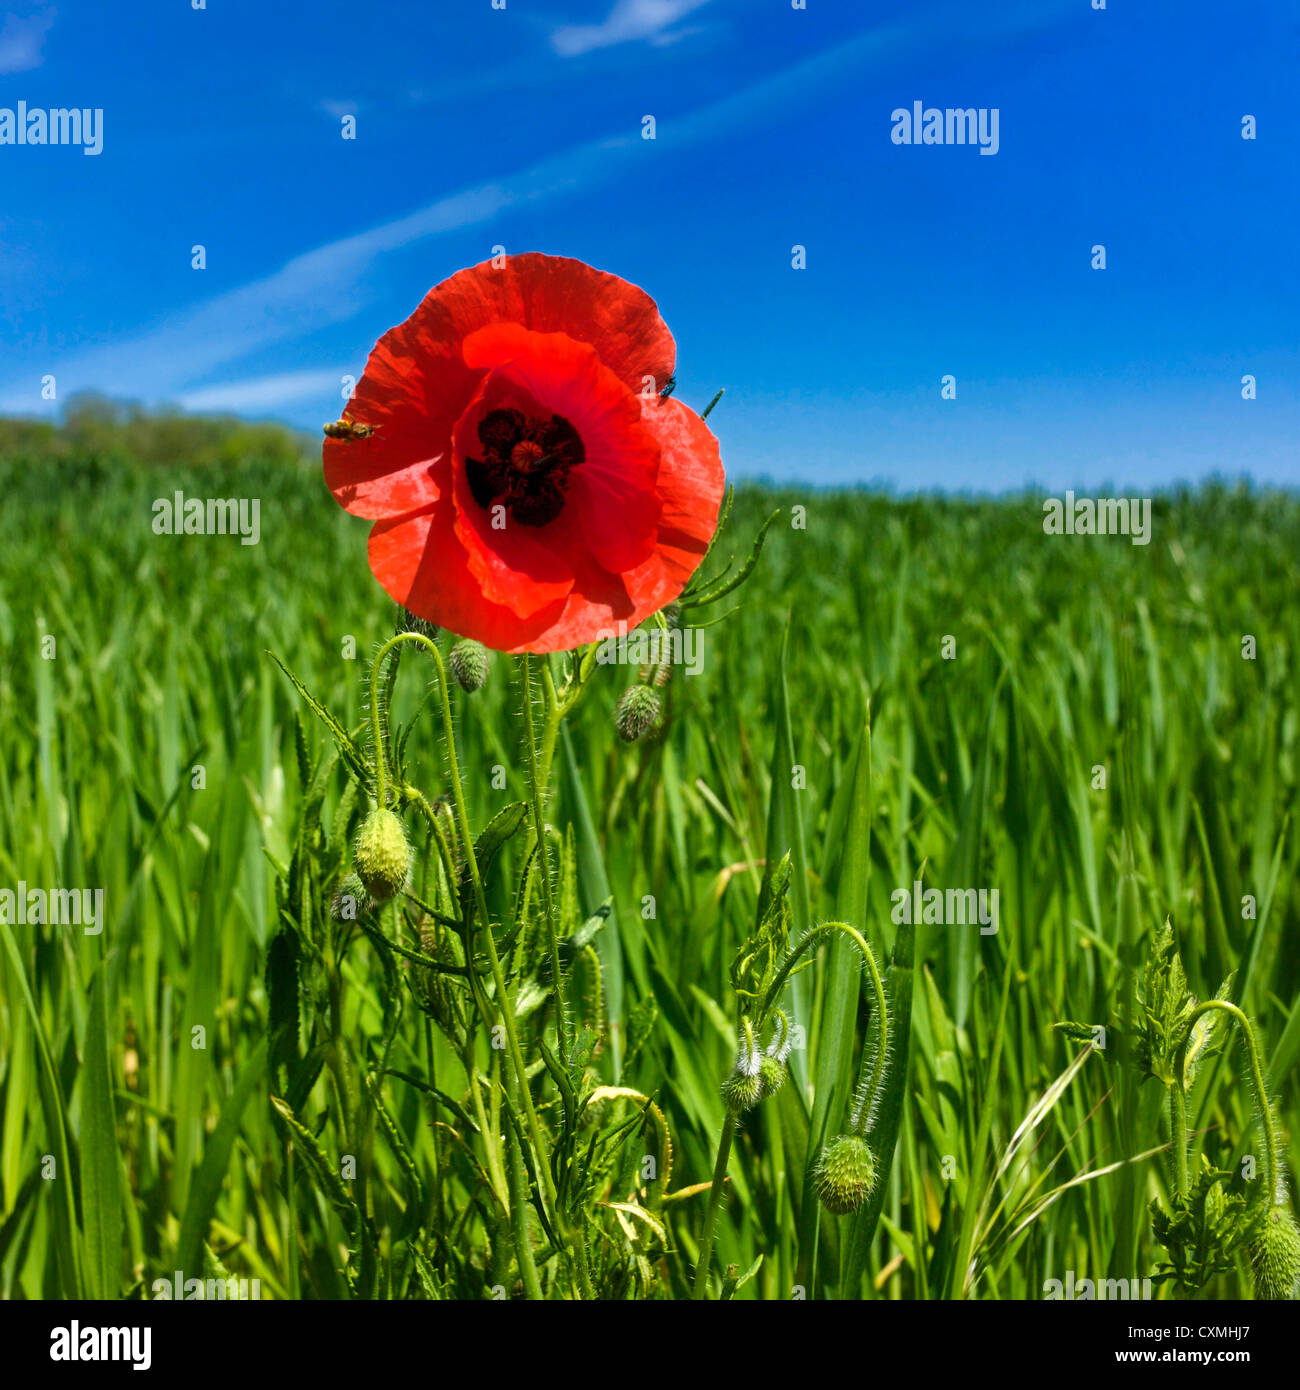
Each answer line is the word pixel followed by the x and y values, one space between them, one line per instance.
pixel 741 1091
pixel 469 662
pixel 637 713
pixel 1275 1256
pixel 771 1075
pixel 658 676
pixel 432 988
pixel 351 901
pixel 382 854
pixel 410 622
pixel 444 812
pixel 845 1174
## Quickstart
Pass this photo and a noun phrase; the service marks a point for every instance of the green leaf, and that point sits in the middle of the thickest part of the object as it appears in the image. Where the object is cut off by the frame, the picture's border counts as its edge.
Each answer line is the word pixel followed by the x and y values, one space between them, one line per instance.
pixel 785 835
pixel 283 963
pixel 348 750
pixel 66 1235
pixel 205 1187
pixel 506 823
pixel 101 1191
pixel 587 932
pixel 320 1169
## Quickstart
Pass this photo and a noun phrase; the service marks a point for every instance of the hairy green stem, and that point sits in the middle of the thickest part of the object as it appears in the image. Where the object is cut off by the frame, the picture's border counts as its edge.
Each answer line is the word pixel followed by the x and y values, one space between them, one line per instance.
pixel 862 1110
pixel 574 1236
pixel 1178 1099
pixel 518 1182
pixel 711 1215
pixel 476 880
pixel 538 791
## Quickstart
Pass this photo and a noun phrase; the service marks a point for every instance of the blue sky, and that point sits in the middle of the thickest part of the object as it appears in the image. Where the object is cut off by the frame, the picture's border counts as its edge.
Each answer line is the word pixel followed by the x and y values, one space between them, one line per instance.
pixel 523 127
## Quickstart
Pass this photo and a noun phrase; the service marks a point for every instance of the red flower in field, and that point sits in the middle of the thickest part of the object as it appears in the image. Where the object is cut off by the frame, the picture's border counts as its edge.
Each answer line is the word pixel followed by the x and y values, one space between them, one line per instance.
pixel 530 486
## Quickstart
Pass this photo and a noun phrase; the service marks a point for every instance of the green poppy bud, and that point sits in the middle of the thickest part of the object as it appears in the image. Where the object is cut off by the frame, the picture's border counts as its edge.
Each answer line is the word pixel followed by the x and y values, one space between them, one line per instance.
pixel 432 988
pixel 1275 1256
pixel 382 854
pixel 845 1174
pixel 351 901
pixel 411 622
pixel 741 1091
pixel 469 663
pixel 771 1075
pixel 637 713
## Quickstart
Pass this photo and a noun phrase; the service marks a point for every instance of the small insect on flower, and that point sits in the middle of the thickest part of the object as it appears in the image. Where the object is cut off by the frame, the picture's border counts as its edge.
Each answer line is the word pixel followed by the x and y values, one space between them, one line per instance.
pixel 349 429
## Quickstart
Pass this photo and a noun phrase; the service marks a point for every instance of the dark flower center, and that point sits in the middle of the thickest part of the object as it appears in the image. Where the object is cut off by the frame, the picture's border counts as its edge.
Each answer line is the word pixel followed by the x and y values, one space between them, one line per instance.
pixel 525 465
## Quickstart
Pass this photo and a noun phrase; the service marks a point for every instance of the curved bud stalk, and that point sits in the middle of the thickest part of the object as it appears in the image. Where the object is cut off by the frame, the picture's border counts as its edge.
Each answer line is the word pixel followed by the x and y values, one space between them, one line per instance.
pixel 1266 1221
pixel 875 1056
pixel 503 1009
pixel 1178 1097
pixel 412 622
pixel 772 1064
pixel 845 1171
pixel 743 1089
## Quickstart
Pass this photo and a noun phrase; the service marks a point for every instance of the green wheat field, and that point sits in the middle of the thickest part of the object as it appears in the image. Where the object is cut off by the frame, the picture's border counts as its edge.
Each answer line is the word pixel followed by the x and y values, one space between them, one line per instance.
pixel 222 1082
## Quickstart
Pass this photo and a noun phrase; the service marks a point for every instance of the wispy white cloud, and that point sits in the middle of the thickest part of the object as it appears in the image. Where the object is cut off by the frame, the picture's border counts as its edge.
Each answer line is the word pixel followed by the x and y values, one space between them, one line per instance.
pixel 311 292
pixel 263 392
pixel 627 21
pixel 21 40
pixel 334 283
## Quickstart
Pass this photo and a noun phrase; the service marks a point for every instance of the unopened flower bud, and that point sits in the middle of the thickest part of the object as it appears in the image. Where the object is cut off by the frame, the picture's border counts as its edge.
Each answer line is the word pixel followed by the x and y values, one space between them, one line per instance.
pixel 412 622
pixel 444 812
pixel 637 713
pixel 432 988
pixel 382 854
pixel 845 1174
pixel 743 1089
pixel 771 1075
pixel 469 663
pixel 1275 1256
pixel 351 901
pixel 740 1091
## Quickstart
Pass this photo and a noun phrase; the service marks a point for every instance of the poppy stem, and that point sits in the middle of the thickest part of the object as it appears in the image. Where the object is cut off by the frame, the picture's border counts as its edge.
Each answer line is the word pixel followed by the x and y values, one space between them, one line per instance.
pixel 538 789
pixel 1178 1098
pixel 711 1215
pixel 862 1106
pixel 555 712
pixel 480 900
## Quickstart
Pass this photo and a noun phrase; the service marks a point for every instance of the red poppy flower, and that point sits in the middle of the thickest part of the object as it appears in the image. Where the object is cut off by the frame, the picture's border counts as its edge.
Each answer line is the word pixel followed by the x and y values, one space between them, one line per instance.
pixel 530 486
